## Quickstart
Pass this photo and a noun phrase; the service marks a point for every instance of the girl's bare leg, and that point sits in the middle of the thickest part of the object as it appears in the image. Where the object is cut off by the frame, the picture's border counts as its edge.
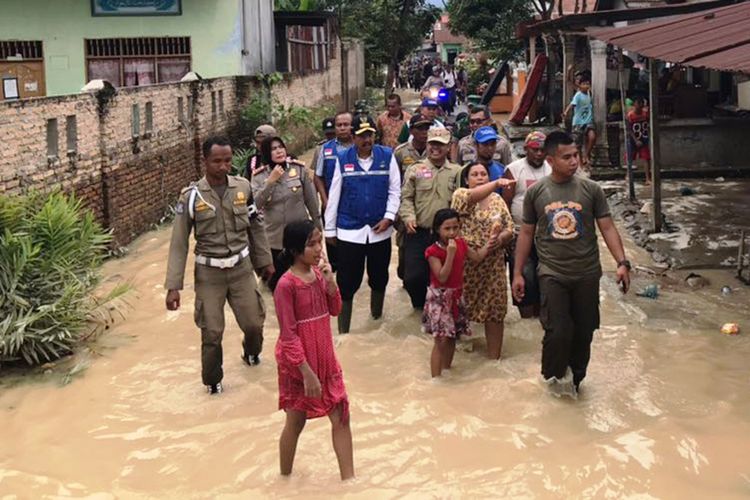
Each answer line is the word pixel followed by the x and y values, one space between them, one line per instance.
pixel 436 359
pixel 295 422
pixel 450 351
pixel 341 434
pixel 494 333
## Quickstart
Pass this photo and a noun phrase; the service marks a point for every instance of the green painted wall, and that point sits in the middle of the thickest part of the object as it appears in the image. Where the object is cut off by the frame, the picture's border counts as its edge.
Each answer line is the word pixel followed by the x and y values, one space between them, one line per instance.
pixel 449 46
pixel 213 25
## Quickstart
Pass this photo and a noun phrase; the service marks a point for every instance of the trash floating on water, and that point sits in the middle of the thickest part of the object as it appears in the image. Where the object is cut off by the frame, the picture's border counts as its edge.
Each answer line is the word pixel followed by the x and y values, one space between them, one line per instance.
pixel 651 292
pixel 719 179
pixel 730 329
pixel 687 191
pixel 726 290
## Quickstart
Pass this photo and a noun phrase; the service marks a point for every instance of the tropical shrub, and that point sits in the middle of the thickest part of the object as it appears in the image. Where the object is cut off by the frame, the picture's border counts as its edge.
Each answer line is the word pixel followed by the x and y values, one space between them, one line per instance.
pixel 51 250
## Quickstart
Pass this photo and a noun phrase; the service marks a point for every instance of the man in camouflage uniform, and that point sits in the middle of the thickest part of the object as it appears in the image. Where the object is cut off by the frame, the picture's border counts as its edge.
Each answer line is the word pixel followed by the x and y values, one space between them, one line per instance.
pixel 480 117
pixel 227 231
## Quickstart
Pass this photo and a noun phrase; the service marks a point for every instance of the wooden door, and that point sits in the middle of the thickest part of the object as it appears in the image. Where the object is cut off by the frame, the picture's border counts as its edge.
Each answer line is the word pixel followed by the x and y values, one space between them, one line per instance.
pixel 28 76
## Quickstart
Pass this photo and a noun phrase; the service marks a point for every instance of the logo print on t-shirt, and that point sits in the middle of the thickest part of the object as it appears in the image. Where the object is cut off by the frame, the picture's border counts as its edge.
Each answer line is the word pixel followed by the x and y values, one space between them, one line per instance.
pixel 564 220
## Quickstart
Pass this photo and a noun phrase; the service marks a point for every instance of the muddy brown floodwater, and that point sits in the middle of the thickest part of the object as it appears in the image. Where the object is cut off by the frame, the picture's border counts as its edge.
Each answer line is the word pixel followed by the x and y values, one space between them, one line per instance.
pixel 663 414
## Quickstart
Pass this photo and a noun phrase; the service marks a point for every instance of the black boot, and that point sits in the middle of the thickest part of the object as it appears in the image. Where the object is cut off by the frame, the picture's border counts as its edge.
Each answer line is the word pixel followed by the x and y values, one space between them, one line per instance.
pixel 376 304
pixel 345 316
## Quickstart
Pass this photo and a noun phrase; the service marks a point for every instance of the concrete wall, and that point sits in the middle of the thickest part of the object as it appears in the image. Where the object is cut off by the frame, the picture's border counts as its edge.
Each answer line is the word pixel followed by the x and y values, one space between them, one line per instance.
pixel 705 142
pixel 128 180
pixel 214 27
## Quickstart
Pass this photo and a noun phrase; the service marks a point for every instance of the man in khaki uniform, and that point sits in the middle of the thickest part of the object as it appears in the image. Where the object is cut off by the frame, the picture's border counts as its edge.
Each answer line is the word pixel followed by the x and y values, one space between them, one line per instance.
pixel 428 187
pixel 467 151
pixel 407 154
pixel 227 231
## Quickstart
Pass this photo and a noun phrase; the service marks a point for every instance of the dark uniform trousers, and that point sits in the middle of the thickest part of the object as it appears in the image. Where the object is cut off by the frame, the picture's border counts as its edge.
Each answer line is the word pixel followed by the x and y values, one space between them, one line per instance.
pixel 351 266
pixel 416 268
pixel 570 315
pixel 213 288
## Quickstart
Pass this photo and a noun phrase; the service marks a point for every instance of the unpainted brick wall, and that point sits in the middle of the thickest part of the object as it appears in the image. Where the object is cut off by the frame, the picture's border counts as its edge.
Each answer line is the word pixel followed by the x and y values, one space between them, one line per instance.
pixel 129 180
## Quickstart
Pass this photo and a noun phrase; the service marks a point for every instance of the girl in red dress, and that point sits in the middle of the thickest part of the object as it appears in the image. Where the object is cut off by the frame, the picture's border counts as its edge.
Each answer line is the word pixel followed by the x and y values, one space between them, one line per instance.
pixel 310 380
pixel 444 315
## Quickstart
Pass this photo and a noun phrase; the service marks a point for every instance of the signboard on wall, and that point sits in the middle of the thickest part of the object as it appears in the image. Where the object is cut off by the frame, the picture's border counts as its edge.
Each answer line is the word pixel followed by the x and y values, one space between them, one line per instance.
pixel 136 7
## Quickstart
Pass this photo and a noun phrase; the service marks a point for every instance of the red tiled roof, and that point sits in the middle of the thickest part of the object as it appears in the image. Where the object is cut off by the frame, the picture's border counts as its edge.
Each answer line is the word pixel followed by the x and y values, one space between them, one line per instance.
pixel 717 39
pixel 444 35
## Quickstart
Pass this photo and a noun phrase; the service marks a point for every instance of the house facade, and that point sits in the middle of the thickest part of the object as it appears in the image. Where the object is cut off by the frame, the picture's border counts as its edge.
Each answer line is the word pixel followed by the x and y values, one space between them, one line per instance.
pixel 55 47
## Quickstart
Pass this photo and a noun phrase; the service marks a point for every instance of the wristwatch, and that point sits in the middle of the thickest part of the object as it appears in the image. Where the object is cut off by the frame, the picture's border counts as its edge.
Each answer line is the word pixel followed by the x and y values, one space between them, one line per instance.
pixel 626 263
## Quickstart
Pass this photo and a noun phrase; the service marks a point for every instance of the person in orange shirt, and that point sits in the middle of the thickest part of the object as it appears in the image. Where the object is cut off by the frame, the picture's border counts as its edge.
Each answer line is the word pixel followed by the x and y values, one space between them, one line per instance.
pixel 392 121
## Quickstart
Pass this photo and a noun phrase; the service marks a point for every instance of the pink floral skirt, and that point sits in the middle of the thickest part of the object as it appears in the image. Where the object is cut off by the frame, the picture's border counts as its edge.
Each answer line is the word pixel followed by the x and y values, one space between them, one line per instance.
pixel 444 313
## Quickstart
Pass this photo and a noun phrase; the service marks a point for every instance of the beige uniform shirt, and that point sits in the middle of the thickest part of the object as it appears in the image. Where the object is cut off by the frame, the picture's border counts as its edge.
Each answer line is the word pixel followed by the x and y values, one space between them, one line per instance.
pixel 407 155
pixel 292 198
pixel 221 231
pixel 467 151
pixel 426 190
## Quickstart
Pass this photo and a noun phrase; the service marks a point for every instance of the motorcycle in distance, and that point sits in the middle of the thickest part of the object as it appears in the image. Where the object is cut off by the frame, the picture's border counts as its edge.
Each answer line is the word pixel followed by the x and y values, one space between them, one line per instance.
pixel 441 95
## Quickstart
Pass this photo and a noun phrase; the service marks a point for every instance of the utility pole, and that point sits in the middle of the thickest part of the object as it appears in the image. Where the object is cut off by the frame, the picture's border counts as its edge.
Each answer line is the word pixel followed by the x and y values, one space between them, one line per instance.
pixel 653 90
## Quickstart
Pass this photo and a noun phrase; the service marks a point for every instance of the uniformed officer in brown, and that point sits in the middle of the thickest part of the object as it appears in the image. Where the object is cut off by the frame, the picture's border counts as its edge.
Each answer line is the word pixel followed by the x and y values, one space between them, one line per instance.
pixel 227 231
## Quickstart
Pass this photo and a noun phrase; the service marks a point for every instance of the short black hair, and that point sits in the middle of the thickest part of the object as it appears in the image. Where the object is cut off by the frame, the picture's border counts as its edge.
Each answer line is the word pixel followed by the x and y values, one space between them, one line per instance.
pixel 214 140
pixel 341 113
pixel 465 172
pixel 265 149
pixel 556 139
pixel 441 216
pixel 481 109
pixel 394 97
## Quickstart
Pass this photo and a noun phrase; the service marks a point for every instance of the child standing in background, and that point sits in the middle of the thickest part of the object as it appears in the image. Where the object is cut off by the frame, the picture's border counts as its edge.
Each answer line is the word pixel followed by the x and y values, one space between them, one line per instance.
pixel 583 119
pixel 444 314
pixel 638 123
pixel 311 383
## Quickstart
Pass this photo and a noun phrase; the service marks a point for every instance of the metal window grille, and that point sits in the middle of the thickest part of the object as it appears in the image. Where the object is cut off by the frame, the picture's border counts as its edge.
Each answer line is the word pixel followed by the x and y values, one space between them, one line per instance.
pixel 28 50
pixel 142 46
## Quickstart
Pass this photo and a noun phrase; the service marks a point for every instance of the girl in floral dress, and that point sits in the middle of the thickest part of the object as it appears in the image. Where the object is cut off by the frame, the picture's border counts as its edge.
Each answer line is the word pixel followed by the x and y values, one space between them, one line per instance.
pixel 311 384
pixel 444 314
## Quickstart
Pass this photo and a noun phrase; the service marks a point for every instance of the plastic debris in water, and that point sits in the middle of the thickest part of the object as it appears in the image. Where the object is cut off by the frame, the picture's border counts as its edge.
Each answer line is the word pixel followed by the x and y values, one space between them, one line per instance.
pixel 687 191
pixel 730 329
pixel 726 290
pixel 651 292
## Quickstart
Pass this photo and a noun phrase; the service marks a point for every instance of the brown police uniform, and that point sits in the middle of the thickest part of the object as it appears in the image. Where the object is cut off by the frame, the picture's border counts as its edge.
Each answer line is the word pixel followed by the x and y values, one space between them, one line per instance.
pixel 426 190
pixel 467 151
pixel 226 234
pixel 406 155
pixel 292 198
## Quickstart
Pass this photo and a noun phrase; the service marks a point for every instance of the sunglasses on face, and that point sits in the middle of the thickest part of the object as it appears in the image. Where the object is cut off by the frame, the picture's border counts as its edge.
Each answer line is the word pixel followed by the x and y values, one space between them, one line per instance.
pixel 476 121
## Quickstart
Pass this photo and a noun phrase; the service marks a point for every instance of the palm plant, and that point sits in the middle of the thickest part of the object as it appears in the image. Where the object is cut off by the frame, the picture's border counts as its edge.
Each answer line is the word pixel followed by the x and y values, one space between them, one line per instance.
pixel 51 250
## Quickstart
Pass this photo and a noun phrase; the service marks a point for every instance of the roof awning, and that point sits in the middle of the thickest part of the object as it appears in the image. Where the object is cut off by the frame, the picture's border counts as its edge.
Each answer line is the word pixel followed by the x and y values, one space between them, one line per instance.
pixel 717 39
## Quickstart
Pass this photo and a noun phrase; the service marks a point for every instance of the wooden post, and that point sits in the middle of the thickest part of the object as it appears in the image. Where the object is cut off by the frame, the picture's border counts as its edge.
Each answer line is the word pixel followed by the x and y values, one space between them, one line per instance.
pixel 741 254
pixel 653 90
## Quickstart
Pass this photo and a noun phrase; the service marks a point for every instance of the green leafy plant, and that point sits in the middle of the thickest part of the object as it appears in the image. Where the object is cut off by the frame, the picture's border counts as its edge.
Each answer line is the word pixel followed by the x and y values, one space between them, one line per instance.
pixel 240 157
pixel 51 250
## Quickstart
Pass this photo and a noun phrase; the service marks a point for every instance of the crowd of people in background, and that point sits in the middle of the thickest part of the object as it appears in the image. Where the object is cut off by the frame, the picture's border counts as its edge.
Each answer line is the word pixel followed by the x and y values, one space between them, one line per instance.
pixel 461 210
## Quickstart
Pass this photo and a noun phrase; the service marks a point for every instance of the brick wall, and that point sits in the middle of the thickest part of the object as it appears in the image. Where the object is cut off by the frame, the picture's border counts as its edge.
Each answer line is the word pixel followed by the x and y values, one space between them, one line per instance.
pixel 126 165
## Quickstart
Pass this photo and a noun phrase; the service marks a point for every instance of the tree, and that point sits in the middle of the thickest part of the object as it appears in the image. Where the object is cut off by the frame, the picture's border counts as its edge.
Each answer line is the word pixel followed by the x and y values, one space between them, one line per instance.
pixel 389 29
pixel 491 23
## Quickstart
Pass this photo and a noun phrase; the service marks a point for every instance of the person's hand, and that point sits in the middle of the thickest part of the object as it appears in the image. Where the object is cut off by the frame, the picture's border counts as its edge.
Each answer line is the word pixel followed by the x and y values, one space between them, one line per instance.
pixel 493 242
pixel 411 226
pixel 503 182
pixel 267 272
pixel 519 287
pixel 326 270
pixel 382 225
pixel 623 278
pixel 173 300
pixel 312 385
pixel 451 248
pixel 275 174
pixel 331 240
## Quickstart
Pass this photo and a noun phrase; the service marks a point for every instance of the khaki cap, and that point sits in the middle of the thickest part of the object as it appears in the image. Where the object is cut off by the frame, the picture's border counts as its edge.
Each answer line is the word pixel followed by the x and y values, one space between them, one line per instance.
pixel 265 131
pixel 440 135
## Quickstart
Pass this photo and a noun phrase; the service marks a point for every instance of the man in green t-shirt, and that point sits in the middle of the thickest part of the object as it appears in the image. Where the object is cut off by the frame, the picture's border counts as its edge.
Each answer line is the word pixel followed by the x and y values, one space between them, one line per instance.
pixel 560 215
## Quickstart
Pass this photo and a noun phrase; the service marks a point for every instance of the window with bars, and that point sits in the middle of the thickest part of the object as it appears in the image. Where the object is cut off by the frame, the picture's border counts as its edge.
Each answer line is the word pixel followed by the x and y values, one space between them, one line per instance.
pixel 129 62
pixel 309 48
pixel 27 49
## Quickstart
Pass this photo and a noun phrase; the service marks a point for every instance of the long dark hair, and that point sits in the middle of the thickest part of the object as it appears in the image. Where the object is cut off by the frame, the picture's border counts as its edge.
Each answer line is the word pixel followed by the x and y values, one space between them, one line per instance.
pixel 296 236
pixel 467 169
pixel 265 149
pixel 441 216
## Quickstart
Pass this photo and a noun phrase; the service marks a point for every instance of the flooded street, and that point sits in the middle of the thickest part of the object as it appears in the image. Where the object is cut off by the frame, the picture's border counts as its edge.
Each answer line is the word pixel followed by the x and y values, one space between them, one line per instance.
pixel 663 412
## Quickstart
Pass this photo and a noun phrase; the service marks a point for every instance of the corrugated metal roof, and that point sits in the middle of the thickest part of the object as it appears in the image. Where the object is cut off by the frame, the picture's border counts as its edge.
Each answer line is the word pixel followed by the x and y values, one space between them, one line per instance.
pixel 717 39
